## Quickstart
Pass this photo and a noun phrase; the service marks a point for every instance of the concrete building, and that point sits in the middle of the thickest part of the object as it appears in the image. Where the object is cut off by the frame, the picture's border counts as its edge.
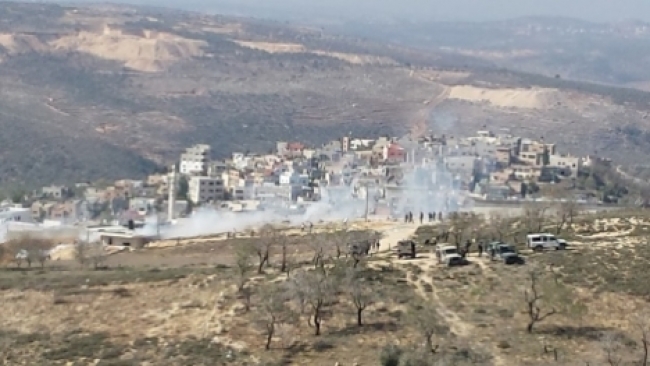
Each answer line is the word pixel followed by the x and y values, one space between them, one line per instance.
pixel 125 239
pixel 574 163
pixel 204 189
pixel 55 192
pixel 271 192
pixel 195 160
pixel 461 165
pixel 531 158
pixel 527 173
pixel 216 168
pixel 143 205
pixel 242 193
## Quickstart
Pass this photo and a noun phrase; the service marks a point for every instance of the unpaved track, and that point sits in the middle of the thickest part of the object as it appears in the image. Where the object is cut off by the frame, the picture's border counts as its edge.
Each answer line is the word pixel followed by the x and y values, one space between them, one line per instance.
pixel 457 325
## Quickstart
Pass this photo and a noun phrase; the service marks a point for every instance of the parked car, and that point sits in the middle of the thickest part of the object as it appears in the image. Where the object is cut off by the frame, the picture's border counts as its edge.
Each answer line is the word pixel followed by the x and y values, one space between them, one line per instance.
pixel 544 241
pixel 406 248
pixel 448 255
pixel 506 252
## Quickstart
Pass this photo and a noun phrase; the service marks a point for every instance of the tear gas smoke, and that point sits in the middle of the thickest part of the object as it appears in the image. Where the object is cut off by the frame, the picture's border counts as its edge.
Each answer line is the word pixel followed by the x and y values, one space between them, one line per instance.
pixel 335 205
pixel 429 188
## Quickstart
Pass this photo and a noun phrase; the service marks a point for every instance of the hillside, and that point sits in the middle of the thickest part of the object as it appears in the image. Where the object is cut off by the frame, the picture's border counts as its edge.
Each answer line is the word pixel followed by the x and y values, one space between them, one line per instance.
pixel 209 301
pixel 114 91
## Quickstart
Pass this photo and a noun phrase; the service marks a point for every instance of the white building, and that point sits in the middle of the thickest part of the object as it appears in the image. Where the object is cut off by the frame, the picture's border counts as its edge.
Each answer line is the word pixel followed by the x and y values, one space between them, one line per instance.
pixel 574 163
pixel 242 193
pixel 16 214
pixel 195 160
pixel 206 189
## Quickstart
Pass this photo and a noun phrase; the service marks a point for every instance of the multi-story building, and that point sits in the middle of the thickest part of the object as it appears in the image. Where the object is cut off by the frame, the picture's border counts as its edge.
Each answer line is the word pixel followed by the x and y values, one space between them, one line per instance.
pixel 56 192
pixel 216 168
pixel 195 160
pixel 574 163
pixel 202 189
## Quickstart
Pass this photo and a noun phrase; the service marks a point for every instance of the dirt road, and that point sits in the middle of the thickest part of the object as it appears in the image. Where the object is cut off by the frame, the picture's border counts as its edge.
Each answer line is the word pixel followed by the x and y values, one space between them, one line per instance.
pixel 460 327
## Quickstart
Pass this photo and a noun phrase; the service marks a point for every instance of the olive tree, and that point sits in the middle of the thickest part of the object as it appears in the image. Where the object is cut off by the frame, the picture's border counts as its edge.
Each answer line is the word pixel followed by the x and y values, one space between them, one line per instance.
pixel 424 317
pixel 262 245
pixel 538 299
pixel 359 291
pixel 243 266
pixel 93 254
pixel 273 310
pixel 314 290
pixel 30 249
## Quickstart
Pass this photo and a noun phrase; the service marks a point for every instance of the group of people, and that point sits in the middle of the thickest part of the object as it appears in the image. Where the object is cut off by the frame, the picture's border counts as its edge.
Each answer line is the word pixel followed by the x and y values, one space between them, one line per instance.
pixel 481 248
pixel 311 227
pixel 408 217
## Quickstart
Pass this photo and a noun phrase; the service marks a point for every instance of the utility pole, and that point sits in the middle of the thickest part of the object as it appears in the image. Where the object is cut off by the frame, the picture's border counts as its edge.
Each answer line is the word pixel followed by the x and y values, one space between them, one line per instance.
pixel 367 200
pixel 157 224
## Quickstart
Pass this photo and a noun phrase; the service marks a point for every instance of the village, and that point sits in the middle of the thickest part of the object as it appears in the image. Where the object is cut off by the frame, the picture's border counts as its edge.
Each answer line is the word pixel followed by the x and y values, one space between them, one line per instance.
pixel 242 244
pixel 385 176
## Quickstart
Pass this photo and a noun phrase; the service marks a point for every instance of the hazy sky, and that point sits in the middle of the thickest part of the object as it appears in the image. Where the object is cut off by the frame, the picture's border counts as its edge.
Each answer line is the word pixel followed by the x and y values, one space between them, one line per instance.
pixel 595 10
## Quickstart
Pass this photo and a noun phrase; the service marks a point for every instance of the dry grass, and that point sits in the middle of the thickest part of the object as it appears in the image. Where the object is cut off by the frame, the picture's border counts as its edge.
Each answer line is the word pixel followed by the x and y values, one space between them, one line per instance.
pixel 167 309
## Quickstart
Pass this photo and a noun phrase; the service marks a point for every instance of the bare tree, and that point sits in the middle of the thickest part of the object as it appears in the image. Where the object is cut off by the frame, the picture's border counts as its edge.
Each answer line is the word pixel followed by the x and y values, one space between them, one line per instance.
pixel 611 347
pixel 261 245
pixel 319 245
pixel 273 310
pixel 567 212
pixel 461 227
pixel 643 330
pixel 534 217
pixel 30 249
pixel 360 292
pixel 499 225
pixel 96 254
pixel 3 253
pixel 284 241
pixel 535 300
pixel 93 254
pixel 340 239
pixel 81 252
pixel 425 318
pixel 314 291
pixel 244 266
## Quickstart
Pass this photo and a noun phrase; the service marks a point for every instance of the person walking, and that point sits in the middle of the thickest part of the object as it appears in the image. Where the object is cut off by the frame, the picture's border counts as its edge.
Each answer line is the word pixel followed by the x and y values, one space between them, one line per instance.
pixel 421 217
pixel 480 249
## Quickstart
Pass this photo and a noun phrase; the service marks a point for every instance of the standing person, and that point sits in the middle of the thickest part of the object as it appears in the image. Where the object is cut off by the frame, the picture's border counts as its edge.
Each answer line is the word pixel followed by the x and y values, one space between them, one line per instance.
pixel 468 245
pixel 480 249
pixel 421 217
pixel 411 217
pixel 406 218
pixel 311 226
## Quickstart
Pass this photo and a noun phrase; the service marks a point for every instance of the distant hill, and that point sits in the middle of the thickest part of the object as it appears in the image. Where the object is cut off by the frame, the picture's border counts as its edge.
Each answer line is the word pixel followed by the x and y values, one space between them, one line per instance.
pixel 613 53
pixel 114 91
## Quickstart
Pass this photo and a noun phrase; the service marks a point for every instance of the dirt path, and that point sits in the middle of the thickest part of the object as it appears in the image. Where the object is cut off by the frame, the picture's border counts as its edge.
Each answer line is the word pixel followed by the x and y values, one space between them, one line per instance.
pixel 456 324
pixel 395 234
pixel 419 123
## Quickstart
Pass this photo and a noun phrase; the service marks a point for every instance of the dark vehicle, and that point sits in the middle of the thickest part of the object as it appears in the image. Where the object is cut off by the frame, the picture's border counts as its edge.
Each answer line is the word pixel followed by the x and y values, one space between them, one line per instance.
pixel 406 248
pixel 506 252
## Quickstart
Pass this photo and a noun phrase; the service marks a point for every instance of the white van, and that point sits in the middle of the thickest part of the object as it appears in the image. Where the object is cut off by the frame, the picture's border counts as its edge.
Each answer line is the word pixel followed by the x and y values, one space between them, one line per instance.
pixel 539 242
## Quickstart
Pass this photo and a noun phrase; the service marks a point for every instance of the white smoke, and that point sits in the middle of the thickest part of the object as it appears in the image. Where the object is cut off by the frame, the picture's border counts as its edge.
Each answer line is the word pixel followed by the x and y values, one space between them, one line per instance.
pixel 335 205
